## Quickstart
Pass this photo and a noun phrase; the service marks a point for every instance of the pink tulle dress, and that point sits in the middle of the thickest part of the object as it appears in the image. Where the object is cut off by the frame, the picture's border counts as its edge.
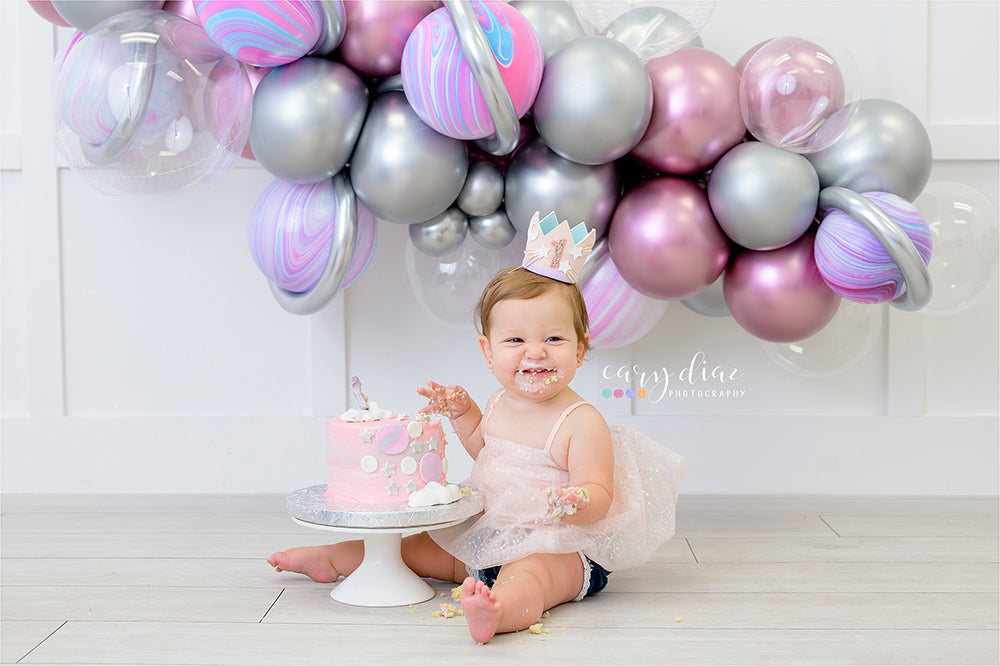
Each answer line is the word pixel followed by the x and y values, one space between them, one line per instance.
pixel 513 477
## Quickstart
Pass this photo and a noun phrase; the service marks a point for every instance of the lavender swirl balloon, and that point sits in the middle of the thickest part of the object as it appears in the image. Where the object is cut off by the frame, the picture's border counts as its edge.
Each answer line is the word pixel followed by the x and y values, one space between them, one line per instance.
pixel 291 232
pixel 439 83
pixel 265 34
pixel 853 262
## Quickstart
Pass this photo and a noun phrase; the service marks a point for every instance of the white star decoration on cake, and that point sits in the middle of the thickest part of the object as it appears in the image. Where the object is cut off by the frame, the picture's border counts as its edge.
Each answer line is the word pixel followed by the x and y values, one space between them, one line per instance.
pixel 389 469
pixel 411 486
pixel 366 435
pixel 392 488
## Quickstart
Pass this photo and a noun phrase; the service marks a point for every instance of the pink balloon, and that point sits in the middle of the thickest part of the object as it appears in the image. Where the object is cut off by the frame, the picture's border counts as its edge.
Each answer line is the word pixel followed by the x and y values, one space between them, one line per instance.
pixel 183 8
pixel 741 64
pixel 665 241
pixel 256 74
pixel 696 112
pixel 376 33
pixel 45 9
pixel 779 295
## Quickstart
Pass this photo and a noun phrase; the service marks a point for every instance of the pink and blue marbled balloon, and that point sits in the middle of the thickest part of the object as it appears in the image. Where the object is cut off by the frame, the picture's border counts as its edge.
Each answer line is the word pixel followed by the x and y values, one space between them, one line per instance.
pixel 264 34
pixel 619 315
pixel 291 235
pixel 439 83
pixel 852 261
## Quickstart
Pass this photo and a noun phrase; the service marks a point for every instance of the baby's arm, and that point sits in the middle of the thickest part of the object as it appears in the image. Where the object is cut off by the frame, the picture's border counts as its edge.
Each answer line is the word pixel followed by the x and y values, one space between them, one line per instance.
pixel 464 414
pixel 591 464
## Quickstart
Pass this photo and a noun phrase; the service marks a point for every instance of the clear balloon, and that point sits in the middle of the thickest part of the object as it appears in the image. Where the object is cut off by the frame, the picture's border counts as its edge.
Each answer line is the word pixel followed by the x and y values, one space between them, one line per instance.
pixel 149 116
pixel 797 95
pixel 651 32
pixel 600 13
pixel 619 315
pixel 593 82
pixel 964 226
pixel 840 345
pixel 448 287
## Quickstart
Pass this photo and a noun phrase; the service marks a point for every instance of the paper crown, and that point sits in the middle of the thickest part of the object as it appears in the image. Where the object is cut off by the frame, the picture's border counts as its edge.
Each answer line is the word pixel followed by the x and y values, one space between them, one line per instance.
pixel 557 250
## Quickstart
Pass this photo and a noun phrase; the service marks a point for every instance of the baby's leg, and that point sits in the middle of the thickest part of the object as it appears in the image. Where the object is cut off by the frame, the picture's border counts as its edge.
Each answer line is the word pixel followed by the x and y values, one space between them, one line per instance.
pixel 427 559
pixel 523 591
pixel 324 564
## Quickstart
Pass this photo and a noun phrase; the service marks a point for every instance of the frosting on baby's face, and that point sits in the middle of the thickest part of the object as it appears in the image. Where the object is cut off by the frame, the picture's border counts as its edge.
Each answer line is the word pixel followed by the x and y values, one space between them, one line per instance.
pixel 373 413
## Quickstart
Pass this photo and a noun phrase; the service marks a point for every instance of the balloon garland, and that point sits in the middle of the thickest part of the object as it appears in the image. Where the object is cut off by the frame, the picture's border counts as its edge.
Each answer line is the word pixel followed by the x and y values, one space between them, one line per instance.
pixel 703 177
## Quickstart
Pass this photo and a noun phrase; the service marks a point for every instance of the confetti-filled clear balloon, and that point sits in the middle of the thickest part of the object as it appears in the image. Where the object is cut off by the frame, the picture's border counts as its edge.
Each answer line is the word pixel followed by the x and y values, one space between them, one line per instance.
pixel 600 13
pixel 798 95
pixel 447 287
pixel 149 115
pixel 651 32
pixel 840 345
pixel 963 223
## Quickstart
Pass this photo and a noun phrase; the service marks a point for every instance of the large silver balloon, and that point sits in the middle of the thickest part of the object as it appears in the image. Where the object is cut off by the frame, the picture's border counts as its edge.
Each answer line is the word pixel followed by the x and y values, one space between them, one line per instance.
pixel 402 170
pixel 307 116
pixel 85 14
pixel 441 234
pixel 763 197
pixel 710 301
pixel 651 32
pixel 483 190
pixel 594 102
pixel 539 180
pixel 554 21
pixel 885 148
pixel 493 231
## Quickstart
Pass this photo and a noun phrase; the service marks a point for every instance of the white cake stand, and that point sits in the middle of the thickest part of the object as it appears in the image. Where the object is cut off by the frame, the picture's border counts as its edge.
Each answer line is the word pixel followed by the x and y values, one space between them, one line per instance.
pixel 382 579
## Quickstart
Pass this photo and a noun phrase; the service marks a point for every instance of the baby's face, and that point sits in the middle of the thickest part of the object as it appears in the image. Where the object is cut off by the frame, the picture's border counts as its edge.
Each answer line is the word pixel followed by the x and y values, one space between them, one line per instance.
pixel 533 345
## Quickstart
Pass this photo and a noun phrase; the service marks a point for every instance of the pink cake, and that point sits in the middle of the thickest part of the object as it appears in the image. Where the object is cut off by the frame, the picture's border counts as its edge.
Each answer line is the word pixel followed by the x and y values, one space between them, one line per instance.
pixel 382 462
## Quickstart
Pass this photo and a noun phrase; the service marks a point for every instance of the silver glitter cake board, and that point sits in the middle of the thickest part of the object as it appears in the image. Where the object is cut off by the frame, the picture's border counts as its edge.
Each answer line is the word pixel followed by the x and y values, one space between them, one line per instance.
pixel 310 505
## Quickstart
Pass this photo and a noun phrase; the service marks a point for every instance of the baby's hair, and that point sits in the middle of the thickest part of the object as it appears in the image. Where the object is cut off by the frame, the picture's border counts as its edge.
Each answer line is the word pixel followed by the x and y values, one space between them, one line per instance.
pixel 520 283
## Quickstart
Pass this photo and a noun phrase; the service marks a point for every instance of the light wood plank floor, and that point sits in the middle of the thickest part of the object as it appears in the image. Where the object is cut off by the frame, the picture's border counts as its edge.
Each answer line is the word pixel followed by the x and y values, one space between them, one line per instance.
pixel 772 580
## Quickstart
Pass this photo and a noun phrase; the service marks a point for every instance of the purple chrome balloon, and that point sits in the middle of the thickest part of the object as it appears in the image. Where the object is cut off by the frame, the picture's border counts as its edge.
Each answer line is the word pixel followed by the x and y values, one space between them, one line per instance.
pixel 665 241
pixel 779 295
pixel 376 34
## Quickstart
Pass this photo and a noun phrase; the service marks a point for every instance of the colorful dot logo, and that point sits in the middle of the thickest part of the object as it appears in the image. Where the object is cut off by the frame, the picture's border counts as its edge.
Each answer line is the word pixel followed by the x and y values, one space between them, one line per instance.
pixel 619 393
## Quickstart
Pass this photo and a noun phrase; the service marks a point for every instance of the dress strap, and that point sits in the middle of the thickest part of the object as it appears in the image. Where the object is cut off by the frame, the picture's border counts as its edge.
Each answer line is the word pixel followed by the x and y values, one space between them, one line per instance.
pixel 559 422
pixel 489 409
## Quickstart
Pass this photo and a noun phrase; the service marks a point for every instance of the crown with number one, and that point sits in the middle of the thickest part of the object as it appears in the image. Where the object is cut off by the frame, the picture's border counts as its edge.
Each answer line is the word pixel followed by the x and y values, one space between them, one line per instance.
pixel 557 250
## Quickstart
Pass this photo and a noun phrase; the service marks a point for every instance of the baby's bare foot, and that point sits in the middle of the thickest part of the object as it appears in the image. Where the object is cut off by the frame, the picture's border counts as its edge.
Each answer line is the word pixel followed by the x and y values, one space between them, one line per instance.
pixel 481 608
pixel 313 561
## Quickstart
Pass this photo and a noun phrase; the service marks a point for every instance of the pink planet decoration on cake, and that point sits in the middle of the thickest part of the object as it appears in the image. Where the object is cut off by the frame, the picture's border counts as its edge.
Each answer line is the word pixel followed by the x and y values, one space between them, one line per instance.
pixel 855 264
pixel 430 467
pixel 439 83
pixel 392 439
pixel 265 34
pixel 291 235
pixel 619 315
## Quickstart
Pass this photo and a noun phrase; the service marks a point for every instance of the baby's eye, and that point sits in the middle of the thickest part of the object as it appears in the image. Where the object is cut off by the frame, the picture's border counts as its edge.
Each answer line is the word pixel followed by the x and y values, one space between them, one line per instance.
pixel 514 340
pixel 555 338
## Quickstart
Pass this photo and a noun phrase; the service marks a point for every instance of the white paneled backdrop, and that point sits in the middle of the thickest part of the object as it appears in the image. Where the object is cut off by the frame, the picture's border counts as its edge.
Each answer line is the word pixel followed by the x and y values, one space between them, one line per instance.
pixel 142 350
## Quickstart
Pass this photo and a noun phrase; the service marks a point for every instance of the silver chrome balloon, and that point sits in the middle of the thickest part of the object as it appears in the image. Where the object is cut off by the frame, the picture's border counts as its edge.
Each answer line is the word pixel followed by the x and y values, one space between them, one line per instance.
pixel 651 32
pixel 710 301
pixel 893 239
pixel 479 56
pixel 493 231
pixel 345 230
pixel 540 180
pixel 442 234
pixel 334 22
pixel 885 148
pixel 141 71
pixel 402 170
pixel 85 15
pixel 763 197
pixel 554 21
pixel 483 190
pixel 595 101
pixel 307 116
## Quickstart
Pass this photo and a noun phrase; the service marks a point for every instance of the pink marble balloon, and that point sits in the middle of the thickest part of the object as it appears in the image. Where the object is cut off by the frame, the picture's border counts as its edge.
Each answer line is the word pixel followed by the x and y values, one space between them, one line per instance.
pixel 619 315
pixel 696 112
pixel 438 81
pixel 665 241
pixel 265 34
pixel 855 264
pixel 377 32
pixel 45 9
pixel 779 295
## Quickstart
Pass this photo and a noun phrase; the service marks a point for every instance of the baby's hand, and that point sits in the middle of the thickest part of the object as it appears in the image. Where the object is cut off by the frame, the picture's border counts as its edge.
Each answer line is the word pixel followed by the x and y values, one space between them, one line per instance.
pixel 450 401
pixel 566 501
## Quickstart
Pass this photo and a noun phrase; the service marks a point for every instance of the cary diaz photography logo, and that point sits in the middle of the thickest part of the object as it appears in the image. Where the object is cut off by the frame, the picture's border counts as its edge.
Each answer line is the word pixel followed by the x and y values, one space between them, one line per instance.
pixel 698 380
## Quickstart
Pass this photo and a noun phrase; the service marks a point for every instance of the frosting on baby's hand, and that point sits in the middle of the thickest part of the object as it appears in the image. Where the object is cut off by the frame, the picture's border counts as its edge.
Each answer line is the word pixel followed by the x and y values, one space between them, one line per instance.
pixel 566 501
pixel 450 401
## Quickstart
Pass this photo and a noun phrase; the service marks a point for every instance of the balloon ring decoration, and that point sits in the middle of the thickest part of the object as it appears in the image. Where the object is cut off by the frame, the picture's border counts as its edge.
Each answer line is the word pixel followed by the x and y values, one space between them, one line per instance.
pixel 141 71
pixel 899 246
pixel 345 229
pixel 506 127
